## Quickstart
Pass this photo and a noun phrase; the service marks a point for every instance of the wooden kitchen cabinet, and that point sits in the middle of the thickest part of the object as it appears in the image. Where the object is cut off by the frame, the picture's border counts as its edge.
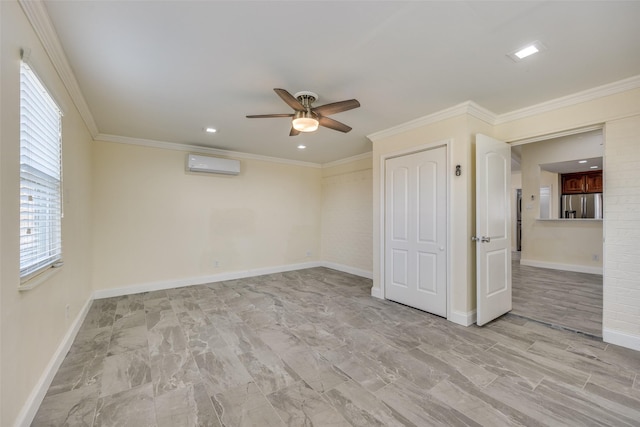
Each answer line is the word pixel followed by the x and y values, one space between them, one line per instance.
pixel 573 183
pixel 582 182
pixel 593 182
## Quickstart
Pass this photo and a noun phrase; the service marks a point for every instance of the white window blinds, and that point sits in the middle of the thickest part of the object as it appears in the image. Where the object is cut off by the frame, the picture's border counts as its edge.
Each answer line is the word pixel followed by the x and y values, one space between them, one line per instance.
pixel 40 176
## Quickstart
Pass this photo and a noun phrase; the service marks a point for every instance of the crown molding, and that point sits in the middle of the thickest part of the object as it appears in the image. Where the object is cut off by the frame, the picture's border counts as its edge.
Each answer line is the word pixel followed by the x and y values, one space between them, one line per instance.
pixel 36 13
pixel 38 17
pixel 468 107
pixel 199 149
pixel 473 109
pixel 367 155
pixel 569 100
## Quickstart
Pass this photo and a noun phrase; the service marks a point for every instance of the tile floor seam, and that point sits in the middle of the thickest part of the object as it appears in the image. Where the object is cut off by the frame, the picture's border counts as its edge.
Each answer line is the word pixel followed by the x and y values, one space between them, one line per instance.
pixel 539 382
pixel 587 381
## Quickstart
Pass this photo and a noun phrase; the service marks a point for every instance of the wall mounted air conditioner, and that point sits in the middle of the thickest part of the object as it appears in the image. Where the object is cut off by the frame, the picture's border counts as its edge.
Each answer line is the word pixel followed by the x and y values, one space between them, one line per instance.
pixel 198 163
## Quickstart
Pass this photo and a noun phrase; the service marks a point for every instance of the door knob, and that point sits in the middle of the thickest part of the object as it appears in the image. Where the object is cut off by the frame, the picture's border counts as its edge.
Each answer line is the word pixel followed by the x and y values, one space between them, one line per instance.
pixel 482 239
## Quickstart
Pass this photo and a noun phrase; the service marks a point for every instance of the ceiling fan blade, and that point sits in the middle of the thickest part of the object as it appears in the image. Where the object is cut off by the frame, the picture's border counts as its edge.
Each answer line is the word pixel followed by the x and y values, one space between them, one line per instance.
pixel 289 99
pixel 333 124
pixel 267 116
pixel 293 132
pixel 336 107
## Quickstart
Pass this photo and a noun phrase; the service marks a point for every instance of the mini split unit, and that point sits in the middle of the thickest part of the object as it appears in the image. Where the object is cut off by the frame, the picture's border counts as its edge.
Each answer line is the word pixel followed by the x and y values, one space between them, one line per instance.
pixel 197 163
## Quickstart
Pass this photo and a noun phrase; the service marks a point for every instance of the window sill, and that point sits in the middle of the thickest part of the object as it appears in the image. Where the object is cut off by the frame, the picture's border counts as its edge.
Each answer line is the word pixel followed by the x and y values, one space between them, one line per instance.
pixel 36 281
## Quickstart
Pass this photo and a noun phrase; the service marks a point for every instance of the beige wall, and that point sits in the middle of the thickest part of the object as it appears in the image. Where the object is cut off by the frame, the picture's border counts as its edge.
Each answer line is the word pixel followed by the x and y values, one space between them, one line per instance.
pixel 620 114
pixel 33 323
pixel 347 224
pixel 562 244
pixel 459 131
pixel 154 222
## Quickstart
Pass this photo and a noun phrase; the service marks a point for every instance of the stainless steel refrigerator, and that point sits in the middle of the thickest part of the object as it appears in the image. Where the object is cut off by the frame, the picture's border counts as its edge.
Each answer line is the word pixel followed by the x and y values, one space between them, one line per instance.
pixel 581 206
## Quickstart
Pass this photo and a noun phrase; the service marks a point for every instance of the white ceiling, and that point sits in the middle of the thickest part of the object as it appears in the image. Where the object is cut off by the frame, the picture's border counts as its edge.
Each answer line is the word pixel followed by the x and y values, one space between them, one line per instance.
pixel 164 70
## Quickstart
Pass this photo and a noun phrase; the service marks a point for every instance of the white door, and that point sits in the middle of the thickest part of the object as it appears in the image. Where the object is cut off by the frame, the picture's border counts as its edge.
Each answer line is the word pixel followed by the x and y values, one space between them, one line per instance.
pixel 493 228
pixel 416 230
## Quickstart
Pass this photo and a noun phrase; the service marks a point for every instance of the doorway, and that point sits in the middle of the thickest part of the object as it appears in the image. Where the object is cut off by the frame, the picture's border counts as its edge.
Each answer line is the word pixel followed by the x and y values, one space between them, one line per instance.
pixel 557 274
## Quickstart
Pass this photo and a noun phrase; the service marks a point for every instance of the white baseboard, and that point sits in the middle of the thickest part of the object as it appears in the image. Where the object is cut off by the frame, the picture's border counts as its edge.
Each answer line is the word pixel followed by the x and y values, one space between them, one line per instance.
pixel 231 275
pixel 201 280
pixel 622 339
pixel 462 318
pixel 564 267
pixel 30 408
pixel 377 293
pixel 347 269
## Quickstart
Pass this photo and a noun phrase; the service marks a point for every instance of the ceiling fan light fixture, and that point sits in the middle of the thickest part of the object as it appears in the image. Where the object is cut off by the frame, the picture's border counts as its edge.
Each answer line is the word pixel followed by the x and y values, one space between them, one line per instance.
pixel 305 122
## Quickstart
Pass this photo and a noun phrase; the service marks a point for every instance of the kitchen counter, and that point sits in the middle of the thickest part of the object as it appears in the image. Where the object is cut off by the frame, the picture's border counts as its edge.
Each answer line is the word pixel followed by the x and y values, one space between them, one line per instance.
pixel 569 219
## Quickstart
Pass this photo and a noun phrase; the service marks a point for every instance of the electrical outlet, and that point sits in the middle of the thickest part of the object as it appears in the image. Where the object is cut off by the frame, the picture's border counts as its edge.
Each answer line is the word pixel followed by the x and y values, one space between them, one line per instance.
pixel 66 311
pixel 308 254
pixel 596 257
pixel 216 263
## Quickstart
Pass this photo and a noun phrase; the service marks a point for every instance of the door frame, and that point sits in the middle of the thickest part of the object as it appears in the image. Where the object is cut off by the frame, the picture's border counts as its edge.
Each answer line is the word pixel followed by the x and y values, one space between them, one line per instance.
pixel 447 143
pixel 568 132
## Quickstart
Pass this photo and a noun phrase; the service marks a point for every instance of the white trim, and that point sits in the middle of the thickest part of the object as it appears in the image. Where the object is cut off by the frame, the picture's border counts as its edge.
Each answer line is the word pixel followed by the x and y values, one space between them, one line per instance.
pixel 231 275
pixel 39 278
pixel 366 155
pixel 347 269
pixel 39 19
pixel 200 150
pixel 33 402
pixel 37 15
pixel 462 318
pixel 572 99
pixel 622 339
pixel 180 283
pixel 554 135
pixel 564 267
pixel 379 292
pixel 468 107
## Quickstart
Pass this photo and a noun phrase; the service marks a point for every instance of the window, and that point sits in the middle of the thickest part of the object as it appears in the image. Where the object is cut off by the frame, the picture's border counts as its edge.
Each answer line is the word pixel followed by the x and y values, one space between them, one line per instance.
pixel 40 177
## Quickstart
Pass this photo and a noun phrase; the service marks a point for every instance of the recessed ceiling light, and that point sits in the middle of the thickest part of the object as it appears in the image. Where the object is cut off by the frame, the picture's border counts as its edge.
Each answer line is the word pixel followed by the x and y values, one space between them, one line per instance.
pixel 582 161
pixel 594 167
pixel 529 50
pixel 302 147
pixel 526 51
pixel 210 130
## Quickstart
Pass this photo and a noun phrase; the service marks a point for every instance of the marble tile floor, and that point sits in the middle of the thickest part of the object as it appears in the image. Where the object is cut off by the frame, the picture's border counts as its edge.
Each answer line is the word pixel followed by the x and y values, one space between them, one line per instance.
pixel 562 299
pixel 313 348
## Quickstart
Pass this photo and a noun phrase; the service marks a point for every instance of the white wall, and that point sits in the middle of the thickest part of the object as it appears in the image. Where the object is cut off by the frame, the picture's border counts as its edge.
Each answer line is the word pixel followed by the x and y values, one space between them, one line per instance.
pixel 155 223
pixel 33 323
pixel 347 223
pixel 563 244
pixel 622 221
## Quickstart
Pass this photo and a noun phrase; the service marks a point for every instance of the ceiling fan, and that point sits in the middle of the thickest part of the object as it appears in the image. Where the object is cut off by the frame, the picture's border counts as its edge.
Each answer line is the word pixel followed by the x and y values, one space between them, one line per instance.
pixel 307 118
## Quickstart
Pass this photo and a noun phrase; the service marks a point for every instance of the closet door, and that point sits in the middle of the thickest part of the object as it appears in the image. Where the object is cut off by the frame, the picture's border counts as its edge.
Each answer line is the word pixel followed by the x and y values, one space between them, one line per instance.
pixel 416 230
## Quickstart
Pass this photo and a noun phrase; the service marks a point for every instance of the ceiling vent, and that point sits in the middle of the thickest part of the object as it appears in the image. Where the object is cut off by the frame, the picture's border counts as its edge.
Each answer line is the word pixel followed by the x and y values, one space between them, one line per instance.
pixel 206 164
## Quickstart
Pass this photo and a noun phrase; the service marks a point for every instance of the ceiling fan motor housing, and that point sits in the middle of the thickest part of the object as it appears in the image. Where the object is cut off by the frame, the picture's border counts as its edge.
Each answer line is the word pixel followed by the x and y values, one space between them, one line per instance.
pixel 306 98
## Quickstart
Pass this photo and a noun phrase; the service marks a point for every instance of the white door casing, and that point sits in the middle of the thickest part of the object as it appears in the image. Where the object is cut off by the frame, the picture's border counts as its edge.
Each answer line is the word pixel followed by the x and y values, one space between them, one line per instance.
pixel 493 228
pixel 416 230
